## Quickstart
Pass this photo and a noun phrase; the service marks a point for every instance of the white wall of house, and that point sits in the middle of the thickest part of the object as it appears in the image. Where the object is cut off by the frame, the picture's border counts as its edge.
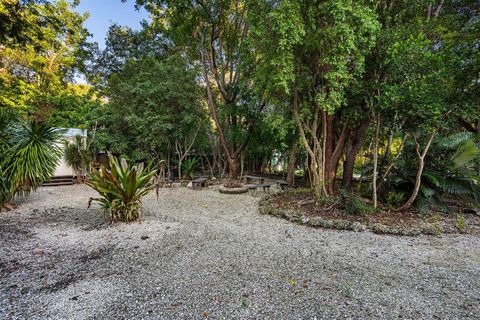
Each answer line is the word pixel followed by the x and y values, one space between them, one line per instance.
pixel 62 168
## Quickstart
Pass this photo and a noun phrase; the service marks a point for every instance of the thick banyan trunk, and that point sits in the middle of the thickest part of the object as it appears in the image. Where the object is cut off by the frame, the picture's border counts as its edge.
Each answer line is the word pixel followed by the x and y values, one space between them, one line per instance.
pixel 233 167
pixel 357 140
pixel 291 164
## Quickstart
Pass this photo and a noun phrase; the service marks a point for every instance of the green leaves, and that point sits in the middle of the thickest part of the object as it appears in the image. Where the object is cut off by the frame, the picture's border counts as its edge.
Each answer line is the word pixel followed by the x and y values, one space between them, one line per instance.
pixel 465 154
pixel 32 156
pixel 153 102
pixel 40 55
pixel 189 166
pixel 77 155
pixel 121 188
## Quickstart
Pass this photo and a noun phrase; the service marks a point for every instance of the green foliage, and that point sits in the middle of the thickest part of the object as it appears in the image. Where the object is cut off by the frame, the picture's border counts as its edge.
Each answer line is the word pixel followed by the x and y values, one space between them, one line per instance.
pixel 189 166
pixel 274 68
pixel 30 158
pixel 77 154
pixel 395 199
pixel 76 107
pixel 121 188
pixel 449 171
pixel 167 107
pixel 37 62
pixel 353 205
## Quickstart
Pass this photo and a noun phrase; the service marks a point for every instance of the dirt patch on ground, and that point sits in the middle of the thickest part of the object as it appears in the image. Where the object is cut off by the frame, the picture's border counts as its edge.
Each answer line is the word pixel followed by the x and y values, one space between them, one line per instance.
pixel 302 203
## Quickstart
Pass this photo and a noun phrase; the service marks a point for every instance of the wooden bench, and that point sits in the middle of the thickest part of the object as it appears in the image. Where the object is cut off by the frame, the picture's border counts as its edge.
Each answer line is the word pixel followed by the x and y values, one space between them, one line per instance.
pixel 253 178
pixel 254 187
pixel 199 183
pixel 282 184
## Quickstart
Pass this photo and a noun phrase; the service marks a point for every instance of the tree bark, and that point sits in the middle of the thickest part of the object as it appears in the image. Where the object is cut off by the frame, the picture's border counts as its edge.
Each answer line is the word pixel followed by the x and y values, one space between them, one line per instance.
pixel 375 162
pixel 315 151
pixel 357 140
pixel 291 163
pixel 334 155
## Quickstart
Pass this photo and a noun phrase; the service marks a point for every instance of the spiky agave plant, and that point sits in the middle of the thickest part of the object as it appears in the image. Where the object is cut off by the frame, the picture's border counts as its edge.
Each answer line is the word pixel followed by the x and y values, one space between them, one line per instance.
pixel 121 188
pixel 31 157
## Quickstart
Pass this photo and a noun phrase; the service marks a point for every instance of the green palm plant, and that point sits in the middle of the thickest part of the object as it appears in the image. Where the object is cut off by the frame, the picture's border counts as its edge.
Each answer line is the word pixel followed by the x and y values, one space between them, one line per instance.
pixel 77 155
pixel 121 188
pixel 449 172
pixel 189 166
pixel 31 157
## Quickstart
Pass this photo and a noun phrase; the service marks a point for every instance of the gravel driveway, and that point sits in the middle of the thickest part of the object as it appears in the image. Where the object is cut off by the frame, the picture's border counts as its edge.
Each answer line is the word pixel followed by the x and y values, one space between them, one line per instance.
pixel 202 254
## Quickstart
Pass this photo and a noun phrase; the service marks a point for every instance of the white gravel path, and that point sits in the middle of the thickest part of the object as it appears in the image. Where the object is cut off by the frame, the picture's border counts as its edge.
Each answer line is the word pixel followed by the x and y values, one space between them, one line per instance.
pixel 211 255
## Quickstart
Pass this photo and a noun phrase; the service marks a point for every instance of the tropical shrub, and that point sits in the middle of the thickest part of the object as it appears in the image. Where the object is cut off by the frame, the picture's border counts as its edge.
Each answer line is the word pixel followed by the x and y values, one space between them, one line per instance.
pixel 5 119
pixel 30 158
pixel 449 172
pixel 121 188
pixel 77 155
pixel 189 166
pixel 353 205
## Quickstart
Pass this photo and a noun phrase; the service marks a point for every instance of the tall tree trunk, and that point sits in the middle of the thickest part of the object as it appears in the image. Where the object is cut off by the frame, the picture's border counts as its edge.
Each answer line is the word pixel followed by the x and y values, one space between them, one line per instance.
pixel 242 164
pixel 315 151
pixel 421 165
pixel 179 169
pixel 291 163
pixel 333 155
pixel 233 168
pixel 375 161
pixel 357 140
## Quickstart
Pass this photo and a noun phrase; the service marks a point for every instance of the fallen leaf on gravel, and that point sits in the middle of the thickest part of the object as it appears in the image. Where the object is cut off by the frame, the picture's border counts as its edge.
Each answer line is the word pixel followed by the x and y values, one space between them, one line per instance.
pixel 292 282
pixel 205 314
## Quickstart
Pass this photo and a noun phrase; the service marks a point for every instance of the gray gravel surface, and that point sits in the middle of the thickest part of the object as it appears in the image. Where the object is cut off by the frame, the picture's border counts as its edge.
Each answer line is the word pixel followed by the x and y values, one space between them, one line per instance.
pixel 202 254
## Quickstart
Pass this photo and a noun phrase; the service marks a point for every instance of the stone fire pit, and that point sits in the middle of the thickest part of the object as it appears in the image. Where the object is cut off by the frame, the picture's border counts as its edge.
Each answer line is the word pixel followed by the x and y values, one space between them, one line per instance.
pixel 233 187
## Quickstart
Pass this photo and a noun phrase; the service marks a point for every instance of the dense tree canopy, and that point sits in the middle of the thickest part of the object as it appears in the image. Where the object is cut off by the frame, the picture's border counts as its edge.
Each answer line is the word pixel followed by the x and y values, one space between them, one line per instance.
pixel 376 98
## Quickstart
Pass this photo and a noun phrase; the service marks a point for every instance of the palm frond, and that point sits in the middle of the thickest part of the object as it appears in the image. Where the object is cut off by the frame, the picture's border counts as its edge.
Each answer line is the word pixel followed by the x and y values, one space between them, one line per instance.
pixel 454 140
pixel 466 152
